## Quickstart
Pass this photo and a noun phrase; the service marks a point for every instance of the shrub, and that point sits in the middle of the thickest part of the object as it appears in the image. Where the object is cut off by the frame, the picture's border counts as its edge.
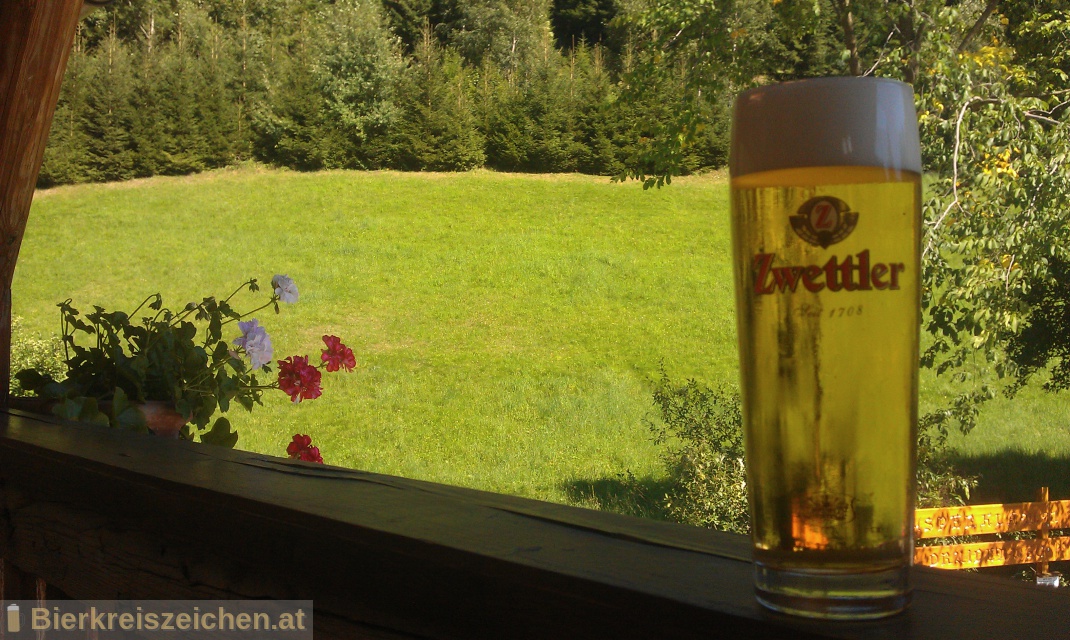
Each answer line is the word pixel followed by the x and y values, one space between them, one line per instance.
pixel 703 431
pixel 33 352
pixel 939 483
pixel 1045 339
pixel 703 428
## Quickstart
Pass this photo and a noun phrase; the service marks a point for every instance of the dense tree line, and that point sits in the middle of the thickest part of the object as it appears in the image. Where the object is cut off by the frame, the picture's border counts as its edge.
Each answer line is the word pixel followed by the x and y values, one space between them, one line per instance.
pixel 178 86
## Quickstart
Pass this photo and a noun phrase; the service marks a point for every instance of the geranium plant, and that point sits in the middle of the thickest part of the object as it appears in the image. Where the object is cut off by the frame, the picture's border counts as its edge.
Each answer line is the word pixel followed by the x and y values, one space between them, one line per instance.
pixel 193 363
pixel 301 448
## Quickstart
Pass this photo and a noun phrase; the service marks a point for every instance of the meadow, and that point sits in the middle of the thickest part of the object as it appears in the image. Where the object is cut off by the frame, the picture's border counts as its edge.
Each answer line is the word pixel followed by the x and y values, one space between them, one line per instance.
pixel 507 327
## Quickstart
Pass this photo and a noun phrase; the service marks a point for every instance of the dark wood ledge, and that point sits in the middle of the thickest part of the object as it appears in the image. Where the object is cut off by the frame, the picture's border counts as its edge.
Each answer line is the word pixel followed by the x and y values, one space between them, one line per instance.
pixel 102 514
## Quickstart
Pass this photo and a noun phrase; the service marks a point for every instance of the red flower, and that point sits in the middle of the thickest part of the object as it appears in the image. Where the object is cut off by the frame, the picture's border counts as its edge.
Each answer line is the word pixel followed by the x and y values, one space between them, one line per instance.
pixel 312 454
pixel 298 379
pixel 299 444
pixel 337 355
pixel 301 449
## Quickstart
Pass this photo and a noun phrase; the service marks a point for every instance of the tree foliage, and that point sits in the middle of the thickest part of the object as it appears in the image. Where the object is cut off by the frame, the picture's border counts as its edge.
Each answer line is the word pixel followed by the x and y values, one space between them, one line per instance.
pixel 997 207
pixel 576 22
pixel 511 34
pixel 990 82
pixel 437 129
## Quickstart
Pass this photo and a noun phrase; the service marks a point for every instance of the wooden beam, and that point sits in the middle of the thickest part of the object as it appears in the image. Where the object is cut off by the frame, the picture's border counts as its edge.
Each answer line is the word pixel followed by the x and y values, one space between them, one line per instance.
pixel 104 514
pixel 35 40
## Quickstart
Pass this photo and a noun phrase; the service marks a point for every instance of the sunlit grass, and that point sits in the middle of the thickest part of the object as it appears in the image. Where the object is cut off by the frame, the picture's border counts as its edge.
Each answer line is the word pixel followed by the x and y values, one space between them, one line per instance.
pixel 506 326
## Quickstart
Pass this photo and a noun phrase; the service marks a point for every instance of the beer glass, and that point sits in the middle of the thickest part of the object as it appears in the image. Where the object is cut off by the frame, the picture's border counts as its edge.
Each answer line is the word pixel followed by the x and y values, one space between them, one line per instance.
pixel 826 194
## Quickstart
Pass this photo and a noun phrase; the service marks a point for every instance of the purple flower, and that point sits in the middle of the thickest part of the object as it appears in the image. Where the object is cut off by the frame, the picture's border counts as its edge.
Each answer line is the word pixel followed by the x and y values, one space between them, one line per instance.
pixel 255 341
pixel 285 288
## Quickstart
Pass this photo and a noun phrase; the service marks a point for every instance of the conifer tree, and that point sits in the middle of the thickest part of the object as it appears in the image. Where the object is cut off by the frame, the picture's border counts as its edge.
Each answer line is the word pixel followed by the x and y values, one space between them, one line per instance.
pixel 285 120
pixel 174 86
pixel 65 156
pixel 551 102
pixel 217 106
pixel 437 127
pixel 109 114
pixel 511 33
pixel 600 116
pixel 504 120
pixel 407 19
pixel 148 128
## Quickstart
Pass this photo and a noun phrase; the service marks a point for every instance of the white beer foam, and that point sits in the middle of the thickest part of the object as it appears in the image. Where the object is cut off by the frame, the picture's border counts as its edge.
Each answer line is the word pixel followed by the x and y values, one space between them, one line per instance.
pixel 825 122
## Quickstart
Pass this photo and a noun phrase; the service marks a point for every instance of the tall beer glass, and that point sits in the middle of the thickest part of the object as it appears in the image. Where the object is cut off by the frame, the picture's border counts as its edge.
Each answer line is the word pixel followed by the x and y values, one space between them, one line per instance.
pixel 825 229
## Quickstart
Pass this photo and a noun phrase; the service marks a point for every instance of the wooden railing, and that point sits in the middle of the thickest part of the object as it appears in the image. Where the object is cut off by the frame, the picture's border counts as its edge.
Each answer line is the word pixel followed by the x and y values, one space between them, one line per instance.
pixel 102 514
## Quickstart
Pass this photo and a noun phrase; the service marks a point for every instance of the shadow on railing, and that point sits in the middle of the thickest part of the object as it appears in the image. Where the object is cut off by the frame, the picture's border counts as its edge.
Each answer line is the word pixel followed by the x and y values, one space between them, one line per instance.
pixel 102 514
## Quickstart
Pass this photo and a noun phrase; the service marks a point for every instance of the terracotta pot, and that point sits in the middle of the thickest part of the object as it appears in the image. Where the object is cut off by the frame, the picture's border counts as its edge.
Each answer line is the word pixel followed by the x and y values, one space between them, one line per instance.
pixel 162 419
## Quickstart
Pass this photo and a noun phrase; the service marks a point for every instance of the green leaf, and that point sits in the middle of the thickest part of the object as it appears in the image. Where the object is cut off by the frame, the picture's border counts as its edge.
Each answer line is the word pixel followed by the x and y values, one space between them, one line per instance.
pixel 220 435
pixel 33 380
pixel 246 402
pixel 228 311
pixel 221 353
pixel 184 407
pixel 92 414
pixel 69 409
pixel 204 409
pixel 125 415
pixel 81 409
pixel 215 328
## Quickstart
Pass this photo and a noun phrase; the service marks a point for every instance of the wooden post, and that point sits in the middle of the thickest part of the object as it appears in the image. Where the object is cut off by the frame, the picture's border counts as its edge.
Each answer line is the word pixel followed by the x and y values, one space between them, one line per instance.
pixel 16 584
pixel 1045 525
pixel 35 40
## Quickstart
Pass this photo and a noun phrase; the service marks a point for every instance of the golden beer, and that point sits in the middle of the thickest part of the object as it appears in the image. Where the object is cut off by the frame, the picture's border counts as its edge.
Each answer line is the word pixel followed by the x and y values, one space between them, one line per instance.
pixel 827 267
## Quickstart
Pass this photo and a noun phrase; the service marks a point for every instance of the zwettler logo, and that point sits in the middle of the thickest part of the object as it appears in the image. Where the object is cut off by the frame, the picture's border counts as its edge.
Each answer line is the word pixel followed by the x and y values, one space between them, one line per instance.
pixel 824 221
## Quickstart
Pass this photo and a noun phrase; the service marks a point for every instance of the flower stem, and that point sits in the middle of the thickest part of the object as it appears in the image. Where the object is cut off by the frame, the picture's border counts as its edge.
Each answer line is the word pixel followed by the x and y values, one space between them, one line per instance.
pixel 273 299
pixel 155 295
pixel 236 291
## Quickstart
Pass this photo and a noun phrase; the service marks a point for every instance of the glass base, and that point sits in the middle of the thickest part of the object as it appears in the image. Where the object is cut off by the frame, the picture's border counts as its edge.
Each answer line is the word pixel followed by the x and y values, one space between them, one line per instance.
pixel 833 595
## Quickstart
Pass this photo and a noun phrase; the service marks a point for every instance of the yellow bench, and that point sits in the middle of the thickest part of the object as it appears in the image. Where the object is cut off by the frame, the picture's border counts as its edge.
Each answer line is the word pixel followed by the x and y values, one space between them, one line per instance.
pixel 1041 516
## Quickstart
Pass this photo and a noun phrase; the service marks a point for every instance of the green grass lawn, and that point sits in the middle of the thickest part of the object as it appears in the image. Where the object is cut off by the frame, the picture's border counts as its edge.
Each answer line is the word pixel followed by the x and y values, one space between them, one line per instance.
pixel 1019 445
pixel 506 326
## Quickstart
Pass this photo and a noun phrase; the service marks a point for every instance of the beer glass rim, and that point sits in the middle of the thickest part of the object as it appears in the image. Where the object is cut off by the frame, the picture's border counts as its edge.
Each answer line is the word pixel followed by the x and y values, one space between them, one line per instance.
pixel 788 85
pixel 825 122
